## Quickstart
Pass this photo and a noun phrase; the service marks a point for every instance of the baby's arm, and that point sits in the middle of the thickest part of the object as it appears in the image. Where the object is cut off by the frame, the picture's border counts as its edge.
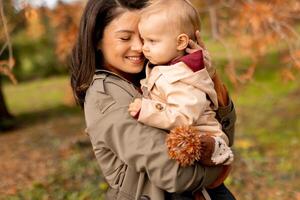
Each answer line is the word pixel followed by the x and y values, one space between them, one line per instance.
pixel 187 144
pixel 183 104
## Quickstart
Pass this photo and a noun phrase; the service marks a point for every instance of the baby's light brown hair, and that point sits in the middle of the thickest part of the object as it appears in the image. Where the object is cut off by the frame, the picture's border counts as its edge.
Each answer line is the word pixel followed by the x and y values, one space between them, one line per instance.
pixel 182 16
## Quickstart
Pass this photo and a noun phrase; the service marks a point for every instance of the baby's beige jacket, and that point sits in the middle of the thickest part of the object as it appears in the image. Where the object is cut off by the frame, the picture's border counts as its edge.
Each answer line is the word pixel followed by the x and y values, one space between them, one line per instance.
pixel 174 95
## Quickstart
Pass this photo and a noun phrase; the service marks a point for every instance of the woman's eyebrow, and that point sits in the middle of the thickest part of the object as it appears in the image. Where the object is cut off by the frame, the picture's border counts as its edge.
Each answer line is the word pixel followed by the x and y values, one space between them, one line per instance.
pixel 124 31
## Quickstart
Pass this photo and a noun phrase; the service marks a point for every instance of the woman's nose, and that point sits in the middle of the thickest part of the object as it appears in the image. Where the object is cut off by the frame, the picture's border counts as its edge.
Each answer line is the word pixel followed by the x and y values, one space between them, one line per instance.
pixel 137 45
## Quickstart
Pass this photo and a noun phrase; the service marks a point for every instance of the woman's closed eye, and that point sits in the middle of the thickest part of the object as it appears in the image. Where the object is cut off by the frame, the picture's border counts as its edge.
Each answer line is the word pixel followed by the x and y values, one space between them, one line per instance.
pixel 125 38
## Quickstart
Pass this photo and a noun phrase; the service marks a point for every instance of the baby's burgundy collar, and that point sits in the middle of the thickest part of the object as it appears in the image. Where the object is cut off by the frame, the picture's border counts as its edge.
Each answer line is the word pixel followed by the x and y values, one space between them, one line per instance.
pixel 194 61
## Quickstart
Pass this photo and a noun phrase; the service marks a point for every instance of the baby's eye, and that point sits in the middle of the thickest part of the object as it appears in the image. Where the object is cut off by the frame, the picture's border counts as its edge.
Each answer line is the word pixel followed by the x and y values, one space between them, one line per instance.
pixel 152 41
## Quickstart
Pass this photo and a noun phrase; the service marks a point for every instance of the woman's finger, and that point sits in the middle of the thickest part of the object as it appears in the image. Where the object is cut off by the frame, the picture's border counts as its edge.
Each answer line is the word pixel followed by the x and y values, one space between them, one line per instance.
pixel 199 39
pixel 193 45
pixel 189 50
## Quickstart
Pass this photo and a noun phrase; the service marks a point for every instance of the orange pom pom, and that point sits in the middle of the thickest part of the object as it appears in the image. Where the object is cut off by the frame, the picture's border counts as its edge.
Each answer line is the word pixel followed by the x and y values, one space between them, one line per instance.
pixel 184 145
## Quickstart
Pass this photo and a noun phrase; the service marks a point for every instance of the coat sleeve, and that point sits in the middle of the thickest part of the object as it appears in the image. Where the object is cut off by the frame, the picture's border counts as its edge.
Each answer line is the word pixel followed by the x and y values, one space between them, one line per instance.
pixel 183 104
pixel 140 147
pixel 226 115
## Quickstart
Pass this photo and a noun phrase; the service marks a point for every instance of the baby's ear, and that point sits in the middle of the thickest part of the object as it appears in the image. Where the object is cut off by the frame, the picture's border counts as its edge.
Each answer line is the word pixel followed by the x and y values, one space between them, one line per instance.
pixel 182 41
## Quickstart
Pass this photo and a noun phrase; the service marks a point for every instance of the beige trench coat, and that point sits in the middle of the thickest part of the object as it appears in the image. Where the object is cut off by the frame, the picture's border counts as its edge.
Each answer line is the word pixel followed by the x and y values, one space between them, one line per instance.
pixel 133 157
pixel 174 95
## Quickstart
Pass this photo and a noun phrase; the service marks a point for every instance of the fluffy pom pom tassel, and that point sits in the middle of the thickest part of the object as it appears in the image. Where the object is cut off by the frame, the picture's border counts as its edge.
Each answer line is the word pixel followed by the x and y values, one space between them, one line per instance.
pixel 184 145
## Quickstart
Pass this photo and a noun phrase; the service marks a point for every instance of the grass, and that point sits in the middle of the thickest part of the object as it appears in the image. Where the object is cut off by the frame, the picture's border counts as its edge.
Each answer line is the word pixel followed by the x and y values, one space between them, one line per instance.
pixel 267 136
pixel 45 119
pixel 77 178
pixel 36 96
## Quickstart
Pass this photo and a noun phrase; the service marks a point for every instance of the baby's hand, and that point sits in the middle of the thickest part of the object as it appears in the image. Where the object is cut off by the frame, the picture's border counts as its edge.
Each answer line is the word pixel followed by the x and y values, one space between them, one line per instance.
pixel 135 107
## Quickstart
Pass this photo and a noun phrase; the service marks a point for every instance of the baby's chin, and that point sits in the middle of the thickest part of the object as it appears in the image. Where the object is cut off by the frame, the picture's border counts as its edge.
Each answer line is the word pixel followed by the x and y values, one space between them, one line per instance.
pixel 154 62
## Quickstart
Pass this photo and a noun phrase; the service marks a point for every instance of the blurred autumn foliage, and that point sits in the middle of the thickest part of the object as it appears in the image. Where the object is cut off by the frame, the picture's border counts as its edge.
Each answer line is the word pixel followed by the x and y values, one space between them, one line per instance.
pixel 6 64
pixel 256 26
pixel 43 37
pixel 35 41
pixel 63 19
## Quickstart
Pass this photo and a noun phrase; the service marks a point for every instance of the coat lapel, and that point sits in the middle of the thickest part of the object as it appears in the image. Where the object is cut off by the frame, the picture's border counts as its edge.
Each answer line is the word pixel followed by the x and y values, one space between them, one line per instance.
pixel 152 74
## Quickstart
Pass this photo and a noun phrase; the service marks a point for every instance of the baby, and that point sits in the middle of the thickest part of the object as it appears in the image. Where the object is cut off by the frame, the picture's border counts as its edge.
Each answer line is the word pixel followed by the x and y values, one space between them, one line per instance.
pixel 178 89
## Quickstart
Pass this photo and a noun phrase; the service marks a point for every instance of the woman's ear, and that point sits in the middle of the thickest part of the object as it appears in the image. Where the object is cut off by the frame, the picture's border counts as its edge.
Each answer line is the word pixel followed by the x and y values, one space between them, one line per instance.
pixel 182 41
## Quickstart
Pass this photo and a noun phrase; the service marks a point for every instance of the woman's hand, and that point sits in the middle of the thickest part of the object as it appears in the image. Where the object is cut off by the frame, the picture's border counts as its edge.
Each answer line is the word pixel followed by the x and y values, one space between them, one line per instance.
pixel 219 86
pixel 199 45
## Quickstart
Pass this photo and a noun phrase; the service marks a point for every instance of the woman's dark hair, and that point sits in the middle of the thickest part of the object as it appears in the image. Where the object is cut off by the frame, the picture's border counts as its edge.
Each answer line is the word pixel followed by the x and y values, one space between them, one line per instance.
pixel 85 58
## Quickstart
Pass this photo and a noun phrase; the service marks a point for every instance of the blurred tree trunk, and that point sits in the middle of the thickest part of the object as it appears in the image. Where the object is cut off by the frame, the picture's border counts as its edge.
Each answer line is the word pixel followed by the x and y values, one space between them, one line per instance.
pixel 6 119
pixel 213 20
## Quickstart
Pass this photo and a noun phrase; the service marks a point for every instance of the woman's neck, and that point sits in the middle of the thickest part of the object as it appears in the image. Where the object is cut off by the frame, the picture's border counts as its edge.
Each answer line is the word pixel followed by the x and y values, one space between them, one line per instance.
pixel 132 78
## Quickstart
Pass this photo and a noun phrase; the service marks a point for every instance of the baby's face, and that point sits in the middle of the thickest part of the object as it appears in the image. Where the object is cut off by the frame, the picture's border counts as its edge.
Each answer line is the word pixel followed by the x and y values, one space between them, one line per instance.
pixel 159 39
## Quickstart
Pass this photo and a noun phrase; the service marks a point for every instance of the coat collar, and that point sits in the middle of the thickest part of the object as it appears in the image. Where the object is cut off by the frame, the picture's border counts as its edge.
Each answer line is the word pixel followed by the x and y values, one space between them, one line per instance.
pixel 152 74
pixel 130 88
pixel 171 73
pixel 103 72
pixel 194 61
pixel 177 69
pixel 180 71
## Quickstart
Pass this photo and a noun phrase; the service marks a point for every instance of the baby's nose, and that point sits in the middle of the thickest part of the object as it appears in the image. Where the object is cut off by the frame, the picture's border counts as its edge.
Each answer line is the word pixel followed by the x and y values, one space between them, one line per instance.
pixel 145 48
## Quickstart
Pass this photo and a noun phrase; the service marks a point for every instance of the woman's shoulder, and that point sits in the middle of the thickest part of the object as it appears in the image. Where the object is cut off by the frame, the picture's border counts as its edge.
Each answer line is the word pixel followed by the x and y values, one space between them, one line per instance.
pixel 106 84
pixel 107 92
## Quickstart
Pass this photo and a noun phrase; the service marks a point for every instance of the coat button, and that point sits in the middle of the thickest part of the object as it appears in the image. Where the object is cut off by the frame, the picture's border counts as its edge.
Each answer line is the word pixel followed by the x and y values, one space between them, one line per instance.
pixel 159 107
pixel 144 197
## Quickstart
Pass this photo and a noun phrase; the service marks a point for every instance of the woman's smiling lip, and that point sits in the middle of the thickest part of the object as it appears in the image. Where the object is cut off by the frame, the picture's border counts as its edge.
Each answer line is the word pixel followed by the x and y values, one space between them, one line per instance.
pixel 136 59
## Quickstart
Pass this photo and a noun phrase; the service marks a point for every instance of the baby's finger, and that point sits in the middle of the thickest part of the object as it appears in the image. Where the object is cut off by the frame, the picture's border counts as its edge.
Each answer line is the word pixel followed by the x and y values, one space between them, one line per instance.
pixel 133 113
pixel 137 100
pixel 130 109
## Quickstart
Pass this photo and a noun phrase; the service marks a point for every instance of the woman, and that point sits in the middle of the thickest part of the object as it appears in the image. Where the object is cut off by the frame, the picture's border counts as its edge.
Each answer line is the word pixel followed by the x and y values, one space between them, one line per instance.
pixel 107 63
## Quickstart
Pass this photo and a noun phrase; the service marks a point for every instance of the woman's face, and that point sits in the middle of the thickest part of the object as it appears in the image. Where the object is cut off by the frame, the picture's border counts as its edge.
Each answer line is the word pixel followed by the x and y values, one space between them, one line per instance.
pixel 121 45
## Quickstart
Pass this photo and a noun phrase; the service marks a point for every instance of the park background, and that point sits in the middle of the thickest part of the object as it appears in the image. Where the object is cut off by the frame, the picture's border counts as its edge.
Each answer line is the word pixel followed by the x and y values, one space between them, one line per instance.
pixel 44 150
